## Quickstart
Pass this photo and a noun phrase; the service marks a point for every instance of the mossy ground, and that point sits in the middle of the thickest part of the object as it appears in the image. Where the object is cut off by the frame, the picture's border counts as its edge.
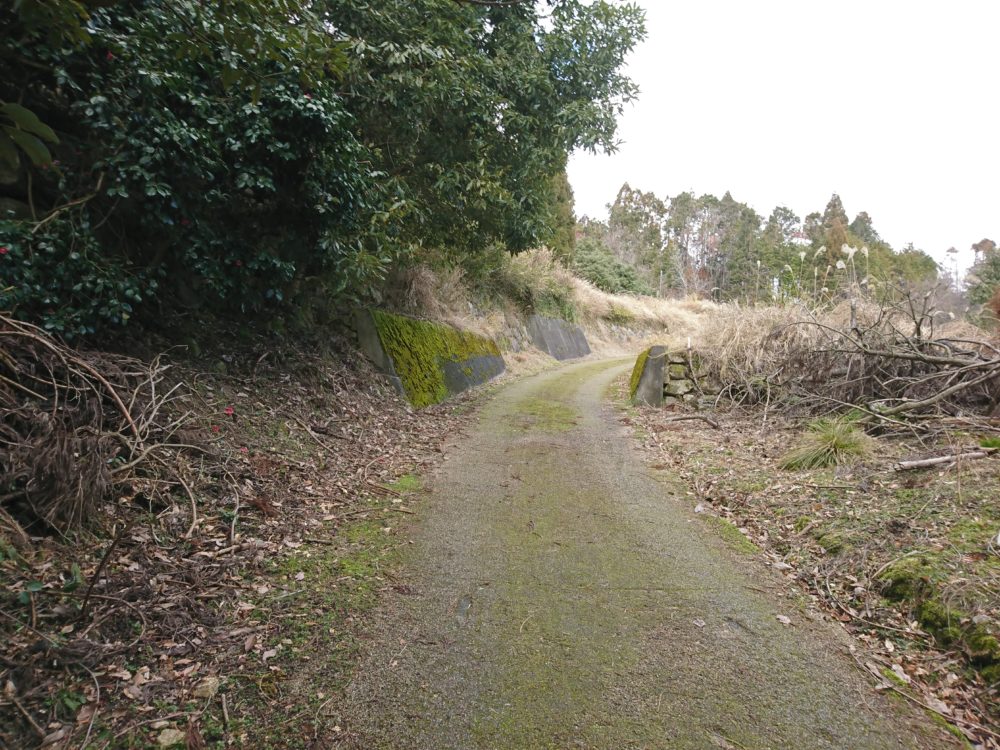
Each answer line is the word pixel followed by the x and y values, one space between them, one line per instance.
pixel 898 547
pixel 323 595
pixel 731 535
pixel 541 414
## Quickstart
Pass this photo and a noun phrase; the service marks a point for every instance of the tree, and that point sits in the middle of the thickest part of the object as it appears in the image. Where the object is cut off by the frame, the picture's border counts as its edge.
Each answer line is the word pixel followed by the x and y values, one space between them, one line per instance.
pixel 863 229
pixel 984 247
pixel 257 155
pixel 562 222
pixel 637 236
pixel 470 110
pixel 598 265
pixel 983 279
pixel 912 267
pixel 680 232
pixel 835 226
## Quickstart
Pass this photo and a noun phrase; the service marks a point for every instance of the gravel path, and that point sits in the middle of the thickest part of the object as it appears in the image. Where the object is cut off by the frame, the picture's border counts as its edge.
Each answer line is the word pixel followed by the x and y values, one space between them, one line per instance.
pixel 559 594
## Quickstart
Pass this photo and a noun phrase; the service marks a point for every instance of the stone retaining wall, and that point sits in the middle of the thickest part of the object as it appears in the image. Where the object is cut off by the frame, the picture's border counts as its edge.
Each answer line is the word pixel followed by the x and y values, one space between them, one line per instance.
pixel 663 377
pixel 558 338
pixel 427 362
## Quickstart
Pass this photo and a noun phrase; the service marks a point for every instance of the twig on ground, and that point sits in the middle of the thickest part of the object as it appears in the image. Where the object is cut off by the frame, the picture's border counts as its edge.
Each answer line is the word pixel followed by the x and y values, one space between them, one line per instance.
pixel 702 417
pixel 924 463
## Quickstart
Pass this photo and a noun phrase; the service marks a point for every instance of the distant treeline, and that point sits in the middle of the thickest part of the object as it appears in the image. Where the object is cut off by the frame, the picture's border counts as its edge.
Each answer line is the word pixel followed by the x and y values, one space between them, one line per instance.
pixel 721 248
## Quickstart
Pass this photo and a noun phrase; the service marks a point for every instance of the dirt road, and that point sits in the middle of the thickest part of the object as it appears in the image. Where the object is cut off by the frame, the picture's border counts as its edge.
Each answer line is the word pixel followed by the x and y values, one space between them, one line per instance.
pixel 559 594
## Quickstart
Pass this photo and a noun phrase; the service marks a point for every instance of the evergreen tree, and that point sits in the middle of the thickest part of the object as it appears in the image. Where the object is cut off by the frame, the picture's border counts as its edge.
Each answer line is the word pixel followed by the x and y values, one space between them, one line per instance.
pixel 983 279
pixel 562 221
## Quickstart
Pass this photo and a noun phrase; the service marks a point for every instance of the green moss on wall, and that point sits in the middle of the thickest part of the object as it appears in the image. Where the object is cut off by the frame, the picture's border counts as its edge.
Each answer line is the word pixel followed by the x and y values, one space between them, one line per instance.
pixel 640 364
pixel 418 347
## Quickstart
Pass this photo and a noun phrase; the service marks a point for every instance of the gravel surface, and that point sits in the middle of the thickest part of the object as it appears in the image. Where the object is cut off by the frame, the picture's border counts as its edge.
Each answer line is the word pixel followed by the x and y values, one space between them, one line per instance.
pixel 560 594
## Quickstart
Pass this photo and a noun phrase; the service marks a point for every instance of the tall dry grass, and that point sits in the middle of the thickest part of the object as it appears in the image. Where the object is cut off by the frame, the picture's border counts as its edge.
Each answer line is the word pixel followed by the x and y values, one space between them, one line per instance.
pixel 741 343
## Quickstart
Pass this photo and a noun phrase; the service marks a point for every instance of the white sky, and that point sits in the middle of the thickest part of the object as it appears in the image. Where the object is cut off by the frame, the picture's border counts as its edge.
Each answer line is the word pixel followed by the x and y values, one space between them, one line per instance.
pixel 892 105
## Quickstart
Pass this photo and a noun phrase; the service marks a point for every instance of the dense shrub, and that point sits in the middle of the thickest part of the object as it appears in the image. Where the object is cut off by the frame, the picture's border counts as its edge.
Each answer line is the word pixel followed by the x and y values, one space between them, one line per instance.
pixel 594 262
pixel 193 191
pixel 239 157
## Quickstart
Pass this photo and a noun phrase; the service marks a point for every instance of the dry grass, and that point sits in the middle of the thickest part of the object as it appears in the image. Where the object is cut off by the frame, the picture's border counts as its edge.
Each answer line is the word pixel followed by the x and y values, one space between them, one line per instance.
pixel 740 344
pixel 438 295
pixel 537 279
pixel 678 318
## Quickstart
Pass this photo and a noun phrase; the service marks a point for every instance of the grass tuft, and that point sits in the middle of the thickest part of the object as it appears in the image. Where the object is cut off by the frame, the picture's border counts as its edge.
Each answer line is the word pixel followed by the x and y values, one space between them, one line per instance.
pixel 828 442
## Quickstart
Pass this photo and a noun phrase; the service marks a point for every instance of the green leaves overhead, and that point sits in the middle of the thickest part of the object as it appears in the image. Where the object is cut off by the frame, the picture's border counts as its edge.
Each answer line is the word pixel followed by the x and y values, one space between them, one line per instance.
pixel 471 110
pixel 258 155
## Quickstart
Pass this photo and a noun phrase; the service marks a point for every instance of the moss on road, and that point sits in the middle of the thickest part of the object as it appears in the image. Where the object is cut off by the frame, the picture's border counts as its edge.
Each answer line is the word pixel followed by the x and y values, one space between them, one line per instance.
pixel 559 596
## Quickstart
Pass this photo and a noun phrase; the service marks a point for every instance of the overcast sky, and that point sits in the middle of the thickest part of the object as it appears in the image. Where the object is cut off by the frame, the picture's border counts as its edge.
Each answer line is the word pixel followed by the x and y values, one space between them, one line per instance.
pixel 892 105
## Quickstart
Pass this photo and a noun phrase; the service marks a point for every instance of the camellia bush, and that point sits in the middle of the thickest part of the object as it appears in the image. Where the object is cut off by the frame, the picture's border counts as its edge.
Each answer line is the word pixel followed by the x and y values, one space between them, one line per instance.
pixel 260 156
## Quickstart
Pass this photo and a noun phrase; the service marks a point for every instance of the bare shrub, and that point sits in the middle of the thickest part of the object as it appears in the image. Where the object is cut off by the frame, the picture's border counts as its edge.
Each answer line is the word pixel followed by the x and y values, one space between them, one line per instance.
pixel 74 425
pixel 892 358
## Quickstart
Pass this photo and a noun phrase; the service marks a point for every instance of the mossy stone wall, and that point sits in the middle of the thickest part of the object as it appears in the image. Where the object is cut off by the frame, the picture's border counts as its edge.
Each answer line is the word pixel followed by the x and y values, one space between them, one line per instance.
pixel 646 385
pixel 432 361
pixel 640 364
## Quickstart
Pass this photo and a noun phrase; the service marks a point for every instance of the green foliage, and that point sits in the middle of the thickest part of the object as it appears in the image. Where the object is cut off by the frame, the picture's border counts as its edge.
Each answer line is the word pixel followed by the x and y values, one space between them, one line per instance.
pixel 562 235
pixel 722 248
pixel 193 193
pixel 636 236
pixel 60 277
pixel 618 315
pixel 471 110
pixel 536 283
pixel 418 348
pixel 595 263
pixel 828 442
pixel 984 278
pixel 20 129
pixel 256 156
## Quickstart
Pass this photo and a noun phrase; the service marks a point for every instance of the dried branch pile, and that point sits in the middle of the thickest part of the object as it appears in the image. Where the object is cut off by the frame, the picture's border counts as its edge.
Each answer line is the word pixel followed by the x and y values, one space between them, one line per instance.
pixel 888 360
pixel 75 425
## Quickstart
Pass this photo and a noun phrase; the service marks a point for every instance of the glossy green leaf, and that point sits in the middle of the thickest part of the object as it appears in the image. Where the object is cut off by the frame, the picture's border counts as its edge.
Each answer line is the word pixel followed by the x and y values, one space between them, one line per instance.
pixel 8 151
pixel 28 121
pixel 34 148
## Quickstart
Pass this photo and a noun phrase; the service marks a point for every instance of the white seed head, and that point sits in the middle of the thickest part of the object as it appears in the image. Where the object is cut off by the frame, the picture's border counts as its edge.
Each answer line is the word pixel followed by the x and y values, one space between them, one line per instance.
pixel 841 265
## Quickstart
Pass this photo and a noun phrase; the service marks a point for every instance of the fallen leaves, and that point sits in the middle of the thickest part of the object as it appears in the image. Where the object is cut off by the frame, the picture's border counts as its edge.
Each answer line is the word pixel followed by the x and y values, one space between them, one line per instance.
pixel 182 604
pixel 830 533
